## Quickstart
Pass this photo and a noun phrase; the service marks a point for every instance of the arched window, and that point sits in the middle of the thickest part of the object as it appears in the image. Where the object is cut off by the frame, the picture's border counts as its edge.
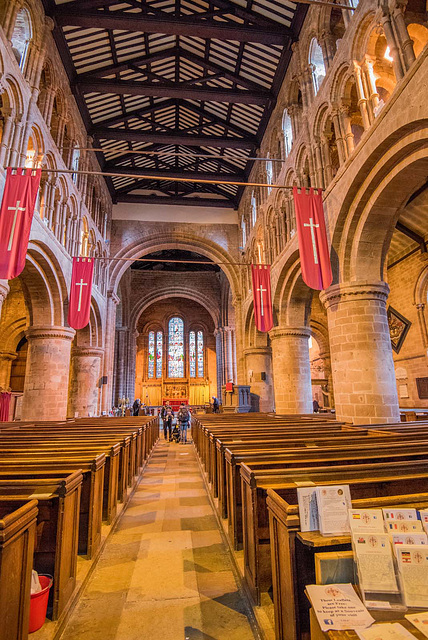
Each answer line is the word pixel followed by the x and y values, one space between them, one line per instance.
pixel 253 209
pixel 244 233
pixel 176 348
pixel 159 354
pixel 200 350
pixel 269 174
pixel 75 158
pixel 21 37
pixel 192 354
pixel 151 354
pixel 196 354
pixel 316 62
pixel 287 132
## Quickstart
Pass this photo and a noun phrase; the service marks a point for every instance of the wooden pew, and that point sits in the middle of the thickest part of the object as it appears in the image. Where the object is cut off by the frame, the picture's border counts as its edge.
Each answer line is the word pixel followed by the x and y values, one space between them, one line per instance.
pixel 293 560
pixel 17 537
pixel 57 529
pixel 365 480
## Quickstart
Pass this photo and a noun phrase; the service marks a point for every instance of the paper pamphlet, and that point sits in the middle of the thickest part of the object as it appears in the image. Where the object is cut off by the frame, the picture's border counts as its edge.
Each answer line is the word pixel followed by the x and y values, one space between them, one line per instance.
pixel 424 518
pixel 409 538
pixel 308 508
pixel 400 514
pixel 366 521
pixel 404 526
pixel 337 606
pixel 420 621
pixel 375 564
pixel 334 502
pixel 386 631
pixel 413 570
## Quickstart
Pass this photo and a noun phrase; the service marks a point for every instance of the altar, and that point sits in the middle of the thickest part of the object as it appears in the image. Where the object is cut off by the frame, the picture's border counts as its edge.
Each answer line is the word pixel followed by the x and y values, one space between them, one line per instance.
pixel 174 403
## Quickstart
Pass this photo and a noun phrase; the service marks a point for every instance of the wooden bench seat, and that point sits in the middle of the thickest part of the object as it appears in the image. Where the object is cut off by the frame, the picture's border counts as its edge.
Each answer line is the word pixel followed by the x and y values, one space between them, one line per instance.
pixel 57 529
pixel 293 560
pixel 365 480
pixel 17 537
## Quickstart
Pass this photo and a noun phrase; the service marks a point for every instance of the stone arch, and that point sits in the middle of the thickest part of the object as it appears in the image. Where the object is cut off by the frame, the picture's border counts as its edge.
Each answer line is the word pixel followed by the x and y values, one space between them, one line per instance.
pixel 252 336
pixel 373 203
pixel 14 93
pixel 176 240
pixel 362 34
pixel 44 286
pixel 292 297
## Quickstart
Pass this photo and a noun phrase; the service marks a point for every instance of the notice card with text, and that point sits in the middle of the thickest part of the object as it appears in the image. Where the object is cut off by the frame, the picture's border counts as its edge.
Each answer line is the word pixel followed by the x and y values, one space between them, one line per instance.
pixel 373 553
pixel 413 568
pixel 337 606
pixel 388 631
pixel 366 521
pixel 334 502
pixel 420 621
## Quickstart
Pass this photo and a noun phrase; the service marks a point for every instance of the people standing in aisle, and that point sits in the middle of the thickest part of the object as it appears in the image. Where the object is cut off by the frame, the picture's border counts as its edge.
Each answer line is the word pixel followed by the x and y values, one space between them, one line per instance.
pixel 167 422
pixel 216 405
pixel 136 407
pixel 183 418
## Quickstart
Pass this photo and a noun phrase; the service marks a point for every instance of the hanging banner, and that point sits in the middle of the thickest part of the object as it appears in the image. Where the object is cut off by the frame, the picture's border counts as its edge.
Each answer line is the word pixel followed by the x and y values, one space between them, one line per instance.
pixel 312 236
pixel 16 216
pixel 79 308
pixel 260 274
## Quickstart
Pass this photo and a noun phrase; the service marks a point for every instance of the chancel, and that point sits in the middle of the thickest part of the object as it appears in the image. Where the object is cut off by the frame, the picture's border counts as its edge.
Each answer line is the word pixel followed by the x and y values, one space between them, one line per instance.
pixel 213 315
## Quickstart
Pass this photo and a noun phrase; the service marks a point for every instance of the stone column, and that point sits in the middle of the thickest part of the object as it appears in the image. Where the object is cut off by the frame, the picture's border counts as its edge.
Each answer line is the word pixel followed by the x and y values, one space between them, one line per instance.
pixel 405 41
pixel 7 134
pixel 392 44
pixel 291 369
pixel 84 383
pixel 47 375
pixel 229 354
pixel 6 359
pixel 362 99
pixel 259 361
pixel 219 361
pixel 363 370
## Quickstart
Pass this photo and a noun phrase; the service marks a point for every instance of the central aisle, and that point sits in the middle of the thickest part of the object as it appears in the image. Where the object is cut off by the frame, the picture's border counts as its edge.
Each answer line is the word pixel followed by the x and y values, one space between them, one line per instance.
pixel 165 573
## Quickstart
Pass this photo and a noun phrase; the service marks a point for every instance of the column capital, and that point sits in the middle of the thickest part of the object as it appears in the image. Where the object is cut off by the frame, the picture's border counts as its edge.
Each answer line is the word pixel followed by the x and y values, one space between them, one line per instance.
pixel 111 295
pixel 258 351
pixel 42 333
pixel 352 291
pixel 282 332
pixel 8 355
pixel 90 352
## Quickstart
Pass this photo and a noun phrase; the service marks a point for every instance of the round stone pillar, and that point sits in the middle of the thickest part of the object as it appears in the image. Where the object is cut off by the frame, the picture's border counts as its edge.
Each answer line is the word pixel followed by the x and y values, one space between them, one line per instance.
pixel 259 376
pixel 83 399
pixel 6 359
pixel 291 370
pixel 365 389
pixel 47 374
pixel 4 290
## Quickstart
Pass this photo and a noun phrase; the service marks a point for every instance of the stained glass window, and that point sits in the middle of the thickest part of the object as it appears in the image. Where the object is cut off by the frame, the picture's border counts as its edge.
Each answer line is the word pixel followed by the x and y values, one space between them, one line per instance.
pixel 151 354
pixel 159 354
pixel 192 354
pixel 176 348
pixel 200 354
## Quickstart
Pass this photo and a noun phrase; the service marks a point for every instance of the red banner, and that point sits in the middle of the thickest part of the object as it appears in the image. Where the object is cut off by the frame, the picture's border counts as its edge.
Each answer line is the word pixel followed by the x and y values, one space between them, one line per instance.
pixel 16 216
pixel 79 309
pixel 262 297
pixel 313 245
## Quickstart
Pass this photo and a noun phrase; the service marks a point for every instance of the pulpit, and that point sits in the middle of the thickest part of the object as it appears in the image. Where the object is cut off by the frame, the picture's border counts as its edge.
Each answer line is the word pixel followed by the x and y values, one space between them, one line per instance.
pixel 238 400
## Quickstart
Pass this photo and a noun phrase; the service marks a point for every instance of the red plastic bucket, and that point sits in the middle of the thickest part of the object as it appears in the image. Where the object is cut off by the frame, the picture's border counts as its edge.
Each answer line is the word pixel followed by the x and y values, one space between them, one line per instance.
pixel 39 604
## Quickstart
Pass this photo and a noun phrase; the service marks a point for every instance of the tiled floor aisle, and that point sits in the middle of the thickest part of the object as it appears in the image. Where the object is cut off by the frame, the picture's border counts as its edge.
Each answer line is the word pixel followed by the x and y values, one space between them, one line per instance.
pixel 165 573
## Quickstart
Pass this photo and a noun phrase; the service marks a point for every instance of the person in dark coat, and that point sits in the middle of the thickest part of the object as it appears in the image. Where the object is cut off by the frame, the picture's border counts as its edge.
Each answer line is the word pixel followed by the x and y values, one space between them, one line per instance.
pixel 167 422
pixel 216 405
pixel 136 407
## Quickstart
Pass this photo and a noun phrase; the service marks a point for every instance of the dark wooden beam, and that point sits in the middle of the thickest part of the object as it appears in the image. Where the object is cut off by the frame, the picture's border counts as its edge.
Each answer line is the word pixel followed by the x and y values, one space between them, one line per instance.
pixel 197 175
pixel 169 138
pixel 188 202
pixel 413 235
pixel 177 90
pixel 185 26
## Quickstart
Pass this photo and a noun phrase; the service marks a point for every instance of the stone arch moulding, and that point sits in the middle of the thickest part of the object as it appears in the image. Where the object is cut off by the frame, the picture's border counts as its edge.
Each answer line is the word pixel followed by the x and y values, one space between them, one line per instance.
pixel 44 287
pixel 370 209
pixel 165 294
pixel 253 337
pixel 185 242
pixel 292 298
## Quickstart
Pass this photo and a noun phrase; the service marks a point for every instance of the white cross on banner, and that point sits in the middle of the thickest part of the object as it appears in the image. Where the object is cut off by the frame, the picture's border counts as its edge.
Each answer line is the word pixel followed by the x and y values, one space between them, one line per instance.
pixel 260 274
pixel 312 235
pixel 79 308
pixel 16 216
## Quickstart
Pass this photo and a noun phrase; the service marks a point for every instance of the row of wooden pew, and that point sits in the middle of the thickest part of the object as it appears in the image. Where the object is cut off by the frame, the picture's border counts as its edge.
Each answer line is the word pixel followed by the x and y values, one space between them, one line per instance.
pixel 58 483
pixel 255 464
